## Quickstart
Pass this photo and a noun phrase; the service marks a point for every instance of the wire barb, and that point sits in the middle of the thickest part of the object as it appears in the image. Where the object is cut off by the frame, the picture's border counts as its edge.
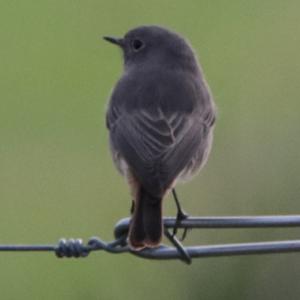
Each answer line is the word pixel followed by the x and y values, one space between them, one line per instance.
pixel 77 248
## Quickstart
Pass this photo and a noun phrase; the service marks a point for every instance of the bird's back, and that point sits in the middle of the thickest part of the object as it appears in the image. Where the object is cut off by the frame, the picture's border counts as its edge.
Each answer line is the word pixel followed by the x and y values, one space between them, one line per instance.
pixel 159 121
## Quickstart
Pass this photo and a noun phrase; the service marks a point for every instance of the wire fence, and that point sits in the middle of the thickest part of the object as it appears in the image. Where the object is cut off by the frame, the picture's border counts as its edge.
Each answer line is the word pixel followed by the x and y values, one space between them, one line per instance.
pixel 77 248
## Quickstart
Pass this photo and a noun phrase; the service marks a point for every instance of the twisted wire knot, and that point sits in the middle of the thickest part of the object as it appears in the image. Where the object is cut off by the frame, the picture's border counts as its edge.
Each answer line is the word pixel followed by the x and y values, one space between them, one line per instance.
pixel 76 248
pixel 71 248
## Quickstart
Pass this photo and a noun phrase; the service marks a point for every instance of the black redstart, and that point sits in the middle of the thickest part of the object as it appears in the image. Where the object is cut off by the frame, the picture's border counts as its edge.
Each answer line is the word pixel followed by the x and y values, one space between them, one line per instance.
pixel 160 120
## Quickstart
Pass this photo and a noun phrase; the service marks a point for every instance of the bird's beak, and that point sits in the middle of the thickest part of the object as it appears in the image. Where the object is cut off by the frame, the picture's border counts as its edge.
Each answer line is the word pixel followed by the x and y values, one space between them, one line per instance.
pixel 113 40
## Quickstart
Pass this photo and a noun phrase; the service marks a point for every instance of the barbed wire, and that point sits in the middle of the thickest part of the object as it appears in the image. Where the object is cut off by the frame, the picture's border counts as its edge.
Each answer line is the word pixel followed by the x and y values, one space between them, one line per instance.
pixel 77 248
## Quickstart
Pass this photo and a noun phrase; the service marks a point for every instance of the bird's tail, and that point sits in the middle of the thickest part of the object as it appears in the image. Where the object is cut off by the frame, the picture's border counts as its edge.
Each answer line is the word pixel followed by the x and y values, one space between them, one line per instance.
pixel 146 223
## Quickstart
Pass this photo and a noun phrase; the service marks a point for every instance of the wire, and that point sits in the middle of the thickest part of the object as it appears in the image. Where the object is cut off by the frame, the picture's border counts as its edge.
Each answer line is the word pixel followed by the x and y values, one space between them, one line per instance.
pixel 76 248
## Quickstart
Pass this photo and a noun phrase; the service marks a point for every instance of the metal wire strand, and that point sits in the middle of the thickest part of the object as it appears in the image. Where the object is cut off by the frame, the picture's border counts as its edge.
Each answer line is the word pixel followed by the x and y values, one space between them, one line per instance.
pixel 76 248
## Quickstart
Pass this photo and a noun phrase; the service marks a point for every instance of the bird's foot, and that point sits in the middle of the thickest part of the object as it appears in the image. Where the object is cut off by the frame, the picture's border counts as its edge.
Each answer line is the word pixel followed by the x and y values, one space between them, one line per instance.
pixel 181 215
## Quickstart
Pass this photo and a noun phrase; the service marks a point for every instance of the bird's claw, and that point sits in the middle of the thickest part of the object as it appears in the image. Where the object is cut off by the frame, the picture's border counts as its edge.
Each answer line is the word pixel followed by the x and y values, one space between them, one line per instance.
pixel 181 215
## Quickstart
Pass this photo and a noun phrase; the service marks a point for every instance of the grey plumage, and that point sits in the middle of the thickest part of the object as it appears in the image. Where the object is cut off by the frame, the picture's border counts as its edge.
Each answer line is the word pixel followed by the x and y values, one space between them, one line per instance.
pixel 160 119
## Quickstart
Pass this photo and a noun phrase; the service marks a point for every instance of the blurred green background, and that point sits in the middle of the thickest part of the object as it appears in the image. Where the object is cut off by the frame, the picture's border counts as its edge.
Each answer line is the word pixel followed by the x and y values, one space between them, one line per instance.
pixel 56 175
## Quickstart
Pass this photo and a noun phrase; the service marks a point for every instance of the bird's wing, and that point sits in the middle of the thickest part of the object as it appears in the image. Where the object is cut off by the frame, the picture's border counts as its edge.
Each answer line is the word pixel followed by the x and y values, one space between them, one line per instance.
pixel 155 146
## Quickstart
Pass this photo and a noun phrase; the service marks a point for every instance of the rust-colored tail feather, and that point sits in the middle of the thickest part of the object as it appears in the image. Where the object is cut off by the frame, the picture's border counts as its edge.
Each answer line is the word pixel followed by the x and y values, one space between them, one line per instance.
pixel 146 224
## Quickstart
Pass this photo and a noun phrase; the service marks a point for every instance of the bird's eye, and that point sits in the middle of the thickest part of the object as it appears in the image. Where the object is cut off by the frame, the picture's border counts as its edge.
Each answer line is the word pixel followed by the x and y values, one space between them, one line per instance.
pixel 137 45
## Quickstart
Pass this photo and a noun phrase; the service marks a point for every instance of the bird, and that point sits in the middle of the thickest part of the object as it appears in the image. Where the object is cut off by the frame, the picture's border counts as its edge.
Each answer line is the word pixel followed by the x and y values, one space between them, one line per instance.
pixel 160 118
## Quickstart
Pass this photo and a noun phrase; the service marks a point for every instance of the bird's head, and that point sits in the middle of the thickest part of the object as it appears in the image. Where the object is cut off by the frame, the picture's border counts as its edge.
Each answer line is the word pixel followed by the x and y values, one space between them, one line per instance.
pixel 152 46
